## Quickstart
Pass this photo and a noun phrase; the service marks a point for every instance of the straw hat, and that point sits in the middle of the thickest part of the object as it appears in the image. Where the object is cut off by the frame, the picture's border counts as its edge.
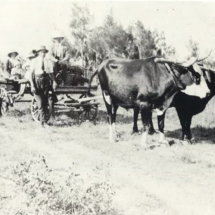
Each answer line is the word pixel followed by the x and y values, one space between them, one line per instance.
pixel 42 48
pixel 33 53
pixel 11 52
pixel 57 35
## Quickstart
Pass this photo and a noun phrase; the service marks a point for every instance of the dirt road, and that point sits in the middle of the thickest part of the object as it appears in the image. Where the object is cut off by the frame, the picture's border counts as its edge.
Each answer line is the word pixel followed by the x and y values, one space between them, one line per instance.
pixel 178 180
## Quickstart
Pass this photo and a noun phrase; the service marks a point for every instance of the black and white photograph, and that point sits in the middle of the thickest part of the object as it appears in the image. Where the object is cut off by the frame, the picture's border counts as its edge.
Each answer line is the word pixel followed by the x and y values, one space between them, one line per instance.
pixel 107 107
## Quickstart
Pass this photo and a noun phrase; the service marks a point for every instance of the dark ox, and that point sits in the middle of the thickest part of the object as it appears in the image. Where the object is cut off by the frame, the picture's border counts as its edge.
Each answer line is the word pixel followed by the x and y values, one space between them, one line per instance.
pixel 187 106
pixel 142 84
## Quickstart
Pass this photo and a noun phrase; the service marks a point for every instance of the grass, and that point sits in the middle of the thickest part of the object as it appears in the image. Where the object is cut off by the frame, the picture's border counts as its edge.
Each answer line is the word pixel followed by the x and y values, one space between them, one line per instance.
pixel 45 191
pixel 71 168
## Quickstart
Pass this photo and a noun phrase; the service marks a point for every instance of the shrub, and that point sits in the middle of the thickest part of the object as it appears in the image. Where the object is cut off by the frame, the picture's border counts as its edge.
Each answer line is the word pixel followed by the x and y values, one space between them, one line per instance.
pixel 48 192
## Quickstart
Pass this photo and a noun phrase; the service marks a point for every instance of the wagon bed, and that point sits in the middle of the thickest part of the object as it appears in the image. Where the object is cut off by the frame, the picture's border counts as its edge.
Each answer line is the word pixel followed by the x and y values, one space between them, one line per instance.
pixel 12 91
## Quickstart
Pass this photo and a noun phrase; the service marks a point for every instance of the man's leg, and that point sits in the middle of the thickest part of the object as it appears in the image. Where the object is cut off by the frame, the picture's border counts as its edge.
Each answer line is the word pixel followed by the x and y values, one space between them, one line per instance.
pixel 38 98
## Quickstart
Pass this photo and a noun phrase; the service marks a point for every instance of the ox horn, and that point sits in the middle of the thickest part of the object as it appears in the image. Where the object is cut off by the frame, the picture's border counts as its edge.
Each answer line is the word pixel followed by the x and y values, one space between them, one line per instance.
pixel 163 60
pixel 199 60
pixel 188 63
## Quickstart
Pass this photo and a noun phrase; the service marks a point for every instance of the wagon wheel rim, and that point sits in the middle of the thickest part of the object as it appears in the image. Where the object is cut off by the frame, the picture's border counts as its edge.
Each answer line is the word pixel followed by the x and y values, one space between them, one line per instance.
pixel 35 111
pixel 3 102
pixel 4 107
pixel 89 112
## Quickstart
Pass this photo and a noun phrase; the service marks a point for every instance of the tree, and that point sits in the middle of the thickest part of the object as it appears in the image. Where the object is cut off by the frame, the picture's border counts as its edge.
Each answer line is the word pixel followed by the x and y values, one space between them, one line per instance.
pixel 160 43
pixel 114 35
pixel 80 25
pixel 143 39
pixel 193 48
pixel 108 40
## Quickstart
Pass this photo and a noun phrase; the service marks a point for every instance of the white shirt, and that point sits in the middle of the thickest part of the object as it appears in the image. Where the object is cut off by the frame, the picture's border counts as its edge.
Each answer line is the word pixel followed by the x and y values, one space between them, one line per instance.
pixel 36 66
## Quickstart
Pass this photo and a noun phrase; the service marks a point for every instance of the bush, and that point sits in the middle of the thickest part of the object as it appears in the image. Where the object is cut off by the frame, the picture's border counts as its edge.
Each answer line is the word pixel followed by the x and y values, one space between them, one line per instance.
pixel 47 192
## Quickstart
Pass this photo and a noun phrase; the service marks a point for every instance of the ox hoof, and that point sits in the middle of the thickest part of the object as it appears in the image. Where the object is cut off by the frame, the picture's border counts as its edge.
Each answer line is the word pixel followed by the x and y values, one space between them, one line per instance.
pixel 151 131
pixel 134 132
pixel 164 143
pixel 189 141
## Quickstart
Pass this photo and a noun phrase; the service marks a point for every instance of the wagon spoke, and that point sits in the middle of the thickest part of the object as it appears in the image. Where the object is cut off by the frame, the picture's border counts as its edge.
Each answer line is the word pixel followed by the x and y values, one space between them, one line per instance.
pixel 91 113
pixel 88 114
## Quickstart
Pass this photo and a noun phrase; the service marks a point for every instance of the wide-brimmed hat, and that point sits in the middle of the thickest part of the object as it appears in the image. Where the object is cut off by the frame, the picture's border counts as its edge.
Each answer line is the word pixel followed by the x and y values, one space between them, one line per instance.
pixel 33 53
pixel 42 48
pixel 57 35
pixel 12 51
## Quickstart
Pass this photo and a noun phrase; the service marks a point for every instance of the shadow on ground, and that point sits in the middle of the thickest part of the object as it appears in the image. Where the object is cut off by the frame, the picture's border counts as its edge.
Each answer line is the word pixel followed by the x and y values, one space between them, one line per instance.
pixel 199 133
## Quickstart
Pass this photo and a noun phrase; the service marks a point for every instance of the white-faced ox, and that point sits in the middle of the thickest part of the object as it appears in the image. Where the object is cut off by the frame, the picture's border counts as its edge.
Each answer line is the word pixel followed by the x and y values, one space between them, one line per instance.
pixel 142 84
pixel 187 106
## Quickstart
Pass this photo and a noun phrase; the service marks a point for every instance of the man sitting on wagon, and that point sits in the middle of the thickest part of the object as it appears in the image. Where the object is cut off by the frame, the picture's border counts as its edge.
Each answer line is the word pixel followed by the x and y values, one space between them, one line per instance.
pixel 59 54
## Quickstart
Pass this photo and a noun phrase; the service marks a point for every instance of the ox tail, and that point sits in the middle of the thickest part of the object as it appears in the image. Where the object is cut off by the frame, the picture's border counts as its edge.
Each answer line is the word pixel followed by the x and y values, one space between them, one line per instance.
pixel 90 82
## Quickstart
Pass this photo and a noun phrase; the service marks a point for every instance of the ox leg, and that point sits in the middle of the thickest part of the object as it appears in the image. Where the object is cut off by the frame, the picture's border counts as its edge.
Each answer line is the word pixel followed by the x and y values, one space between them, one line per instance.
pixel 151 126
pixel 135 127
pixel 113 121
pixel 185 121
pixel 111 111
pixel 161 120
pixel 187 131
pixel 181 116
pixel 145 115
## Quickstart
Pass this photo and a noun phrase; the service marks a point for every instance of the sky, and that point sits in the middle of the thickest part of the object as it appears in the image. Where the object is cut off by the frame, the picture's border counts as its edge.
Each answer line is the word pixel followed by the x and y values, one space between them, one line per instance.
pixel 25 25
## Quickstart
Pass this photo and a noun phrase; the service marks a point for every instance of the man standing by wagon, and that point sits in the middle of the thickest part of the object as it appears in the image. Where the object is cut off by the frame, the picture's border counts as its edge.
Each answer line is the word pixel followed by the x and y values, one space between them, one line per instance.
pixel 59 54
pixel 42 79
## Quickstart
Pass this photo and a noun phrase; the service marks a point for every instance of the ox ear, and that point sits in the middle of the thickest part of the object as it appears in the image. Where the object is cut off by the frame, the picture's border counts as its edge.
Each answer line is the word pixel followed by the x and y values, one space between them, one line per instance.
pixel 197 68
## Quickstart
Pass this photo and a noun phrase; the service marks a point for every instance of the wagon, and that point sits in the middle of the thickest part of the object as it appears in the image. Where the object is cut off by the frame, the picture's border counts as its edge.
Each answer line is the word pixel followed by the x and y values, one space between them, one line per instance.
pixel 13 91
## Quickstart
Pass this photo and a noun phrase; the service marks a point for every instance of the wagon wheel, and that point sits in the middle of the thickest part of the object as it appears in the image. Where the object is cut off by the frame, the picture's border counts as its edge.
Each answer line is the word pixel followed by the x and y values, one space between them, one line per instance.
pixel 35 111
pixel 4 104
pixel 88 112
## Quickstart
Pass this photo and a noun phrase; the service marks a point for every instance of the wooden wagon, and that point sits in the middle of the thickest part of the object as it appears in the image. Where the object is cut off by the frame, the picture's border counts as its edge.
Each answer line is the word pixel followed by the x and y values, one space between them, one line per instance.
pixel 13 91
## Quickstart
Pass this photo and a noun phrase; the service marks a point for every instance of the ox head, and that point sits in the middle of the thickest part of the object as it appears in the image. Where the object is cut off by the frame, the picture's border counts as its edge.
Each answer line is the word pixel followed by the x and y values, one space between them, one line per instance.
pixel 209 75
pixel 188 76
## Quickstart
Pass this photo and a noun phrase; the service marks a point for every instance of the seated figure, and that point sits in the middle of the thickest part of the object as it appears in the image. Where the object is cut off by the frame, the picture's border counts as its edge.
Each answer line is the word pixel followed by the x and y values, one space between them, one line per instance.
pixel 17 72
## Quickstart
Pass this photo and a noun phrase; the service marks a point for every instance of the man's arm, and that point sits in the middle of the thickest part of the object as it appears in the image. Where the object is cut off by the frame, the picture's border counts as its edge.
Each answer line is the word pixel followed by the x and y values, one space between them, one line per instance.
pixel 67 55
pixel 51 75
pixel 52 55
pixel 31 78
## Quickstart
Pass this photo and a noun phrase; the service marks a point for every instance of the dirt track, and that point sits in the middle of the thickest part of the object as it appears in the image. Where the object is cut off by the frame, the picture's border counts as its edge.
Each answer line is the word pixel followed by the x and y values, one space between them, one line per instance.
pixel 176 180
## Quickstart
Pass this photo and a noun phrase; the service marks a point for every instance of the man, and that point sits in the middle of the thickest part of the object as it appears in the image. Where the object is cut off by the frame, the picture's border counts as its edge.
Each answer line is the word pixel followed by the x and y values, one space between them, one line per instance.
pixel 41 80
pixel 133 51
pixel 59 53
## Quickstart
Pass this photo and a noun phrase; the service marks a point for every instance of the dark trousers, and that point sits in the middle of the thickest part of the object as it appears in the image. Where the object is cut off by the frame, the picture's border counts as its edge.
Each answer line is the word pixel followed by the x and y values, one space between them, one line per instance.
pixel 42 85
pixel 62 68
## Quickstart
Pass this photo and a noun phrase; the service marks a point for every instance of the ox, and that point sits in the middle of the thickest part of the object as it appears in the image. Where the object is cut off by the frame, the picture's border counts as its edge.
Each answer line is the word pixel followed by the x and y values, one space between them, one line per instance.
pixel 187 106
pixel 144 85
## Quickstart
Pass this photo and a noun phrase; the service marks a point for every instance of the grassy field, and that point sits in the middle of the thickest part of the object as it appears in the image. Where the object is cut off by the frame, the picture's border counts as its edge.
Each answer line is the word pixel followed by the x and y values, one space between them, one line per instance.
pixel 71 168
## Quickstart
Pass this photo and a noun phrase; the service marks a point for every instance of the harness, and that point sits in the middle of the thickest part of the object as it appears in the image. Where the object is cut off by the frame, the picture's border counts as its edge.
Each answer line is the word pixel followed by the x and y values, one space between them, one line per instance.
pixel 175 79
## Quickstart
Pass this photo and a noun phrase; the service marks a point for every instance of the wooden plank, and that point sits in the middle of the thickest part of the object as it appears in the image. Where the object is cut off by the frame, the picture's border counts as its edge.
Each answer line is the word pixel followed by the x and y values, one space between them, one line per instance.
pixel 74 90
